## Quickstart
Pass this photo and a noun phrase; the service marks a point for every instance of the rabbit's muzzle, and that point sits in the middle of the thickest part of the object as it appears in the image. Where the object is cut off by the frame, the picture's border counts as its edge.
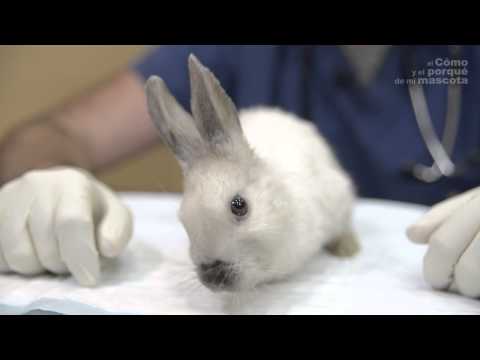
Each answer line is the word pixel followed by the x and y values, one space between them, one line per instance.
pixel 217 275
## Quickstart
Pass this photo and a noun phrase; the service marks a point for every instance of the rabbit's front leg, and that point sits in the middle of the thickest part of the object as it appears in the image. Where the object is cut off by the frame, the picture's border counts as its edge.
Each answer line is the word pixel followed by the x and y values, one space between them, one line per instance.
pixel 346 245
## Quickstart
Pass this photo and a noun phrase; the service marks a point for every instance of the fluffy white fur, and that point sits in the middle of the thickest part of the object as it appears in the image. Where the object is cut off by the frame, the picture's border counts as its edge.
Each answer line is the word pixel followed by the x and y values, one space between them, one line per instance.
pixel 299 200
pixel 299 197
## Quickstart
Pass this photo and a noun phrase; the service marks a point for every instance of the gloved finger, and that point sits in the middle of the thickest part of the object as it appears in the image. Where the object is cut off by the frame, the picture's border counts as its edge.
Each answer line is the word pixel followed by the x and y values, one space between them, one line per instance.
pixel 74 229
pixel 3 263
pixel 467 270
pixel 453 286
pixel 115 224
pixel 15 241
pixel 41 225
pixel 420 231
pixel 448 243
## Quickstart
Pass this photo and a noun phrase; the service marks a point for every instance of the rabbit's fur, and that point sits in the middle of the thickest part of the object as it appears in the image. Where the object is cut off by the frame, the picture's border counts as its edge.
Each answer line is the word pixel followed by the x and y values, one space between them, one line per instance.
pixel 299 198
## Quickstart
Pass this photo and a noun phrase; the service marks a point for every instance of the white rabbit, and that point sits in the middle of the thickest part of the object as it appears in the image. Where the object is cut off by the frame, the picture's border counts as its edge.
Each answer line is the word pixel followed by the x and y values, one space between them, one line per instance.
pixel 263 192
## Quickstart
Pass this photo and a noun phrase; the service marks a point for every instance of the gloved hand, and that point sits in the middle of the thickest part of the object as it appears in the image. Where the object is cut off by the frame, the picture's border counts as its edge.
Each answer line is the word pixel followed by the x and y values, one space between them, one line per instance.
pixel 60 220
pixel 452 231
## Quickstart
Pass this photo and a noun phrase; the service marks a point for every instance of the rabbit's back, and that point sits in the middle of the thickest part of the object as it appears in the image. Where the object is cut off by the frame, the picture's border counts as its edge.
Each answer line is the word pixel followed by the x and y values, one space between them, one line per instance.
pixel 306 163
pixel 285 140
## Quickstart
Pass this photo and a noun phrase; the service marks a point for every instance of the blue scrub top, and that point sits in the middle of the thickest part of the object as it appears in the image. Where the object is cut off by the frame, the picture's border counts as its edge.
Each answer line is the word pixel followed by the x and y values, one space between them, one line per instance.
pixel 372 129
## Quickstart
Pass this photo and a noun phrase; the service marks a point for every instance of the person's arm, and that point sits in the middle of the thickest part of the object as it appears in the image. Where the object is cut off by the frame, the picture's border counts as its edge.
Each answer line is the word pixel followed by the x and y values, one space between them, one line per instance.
pixel 62 219
pixel 97 129
pixel 109 123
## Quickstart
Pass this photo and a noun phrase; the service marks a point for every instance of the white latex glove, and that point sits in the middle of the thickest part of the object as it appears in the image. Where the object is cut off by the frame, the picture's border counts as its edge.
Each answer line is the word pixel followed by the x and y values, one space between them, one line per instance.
pixel 60 220
pixel 452 231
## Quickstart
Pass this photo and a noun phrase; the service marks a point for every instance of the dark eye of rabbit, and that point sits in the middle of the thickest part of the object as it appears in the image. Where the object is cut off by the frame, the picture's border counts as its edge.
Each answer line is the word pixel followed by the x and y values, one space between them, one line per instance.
pixel 239 206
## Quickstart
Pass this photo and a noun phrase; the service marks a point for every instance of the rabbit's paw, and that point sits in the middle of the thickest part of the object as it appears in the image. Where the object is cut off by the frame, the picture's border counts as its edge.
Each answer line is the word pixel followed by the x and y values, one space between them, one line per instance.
pixel 347 245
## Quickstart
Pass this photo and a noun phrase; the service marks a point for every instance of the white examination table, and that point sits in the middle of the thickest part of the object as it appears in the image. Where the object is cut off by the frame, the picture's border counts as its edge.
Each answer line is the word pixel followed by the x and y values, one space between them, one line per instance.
pixel 155 276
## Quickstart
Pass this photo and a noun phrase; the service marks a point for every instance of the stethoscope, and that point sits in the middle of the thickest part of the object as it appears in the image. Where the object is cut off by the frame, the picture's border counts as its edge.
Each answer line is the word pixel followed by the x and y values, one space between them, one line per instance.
pixel 441 150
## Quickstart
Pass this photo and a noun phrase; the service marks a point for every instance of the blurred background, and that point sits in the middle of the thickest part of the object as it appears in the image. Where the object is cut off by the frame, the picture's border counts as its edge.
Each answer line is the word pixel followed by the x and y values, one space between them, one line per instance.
pixel 33 79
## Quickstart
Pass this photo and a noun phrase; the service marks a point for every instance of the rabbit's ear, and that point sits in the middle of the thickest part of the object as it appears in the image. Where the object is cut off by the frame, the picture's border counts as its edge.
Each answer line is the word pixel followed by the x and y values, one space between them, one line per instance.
pixel 176 126
pixel 214 113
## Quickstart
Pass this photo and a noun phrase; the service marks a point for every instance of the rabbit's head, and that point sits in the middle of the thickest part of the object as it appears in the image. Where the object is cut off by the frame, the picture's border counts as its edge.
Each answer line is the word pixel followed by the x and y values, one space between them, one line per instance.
pixel 234 206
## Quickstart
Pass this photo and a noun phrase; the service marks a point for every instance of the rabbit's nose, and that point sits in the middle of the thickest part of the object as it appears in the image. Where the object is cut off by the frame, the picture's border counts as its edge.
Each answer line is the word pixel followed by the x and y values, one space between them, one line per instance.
pixel 217 275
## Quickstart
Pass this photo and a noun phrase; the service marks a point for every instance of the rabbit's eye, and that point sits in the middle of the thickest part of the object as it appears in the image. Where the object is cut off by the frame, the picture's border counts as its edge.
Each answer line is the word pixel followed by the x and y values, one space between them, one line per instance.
pixel 239 206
